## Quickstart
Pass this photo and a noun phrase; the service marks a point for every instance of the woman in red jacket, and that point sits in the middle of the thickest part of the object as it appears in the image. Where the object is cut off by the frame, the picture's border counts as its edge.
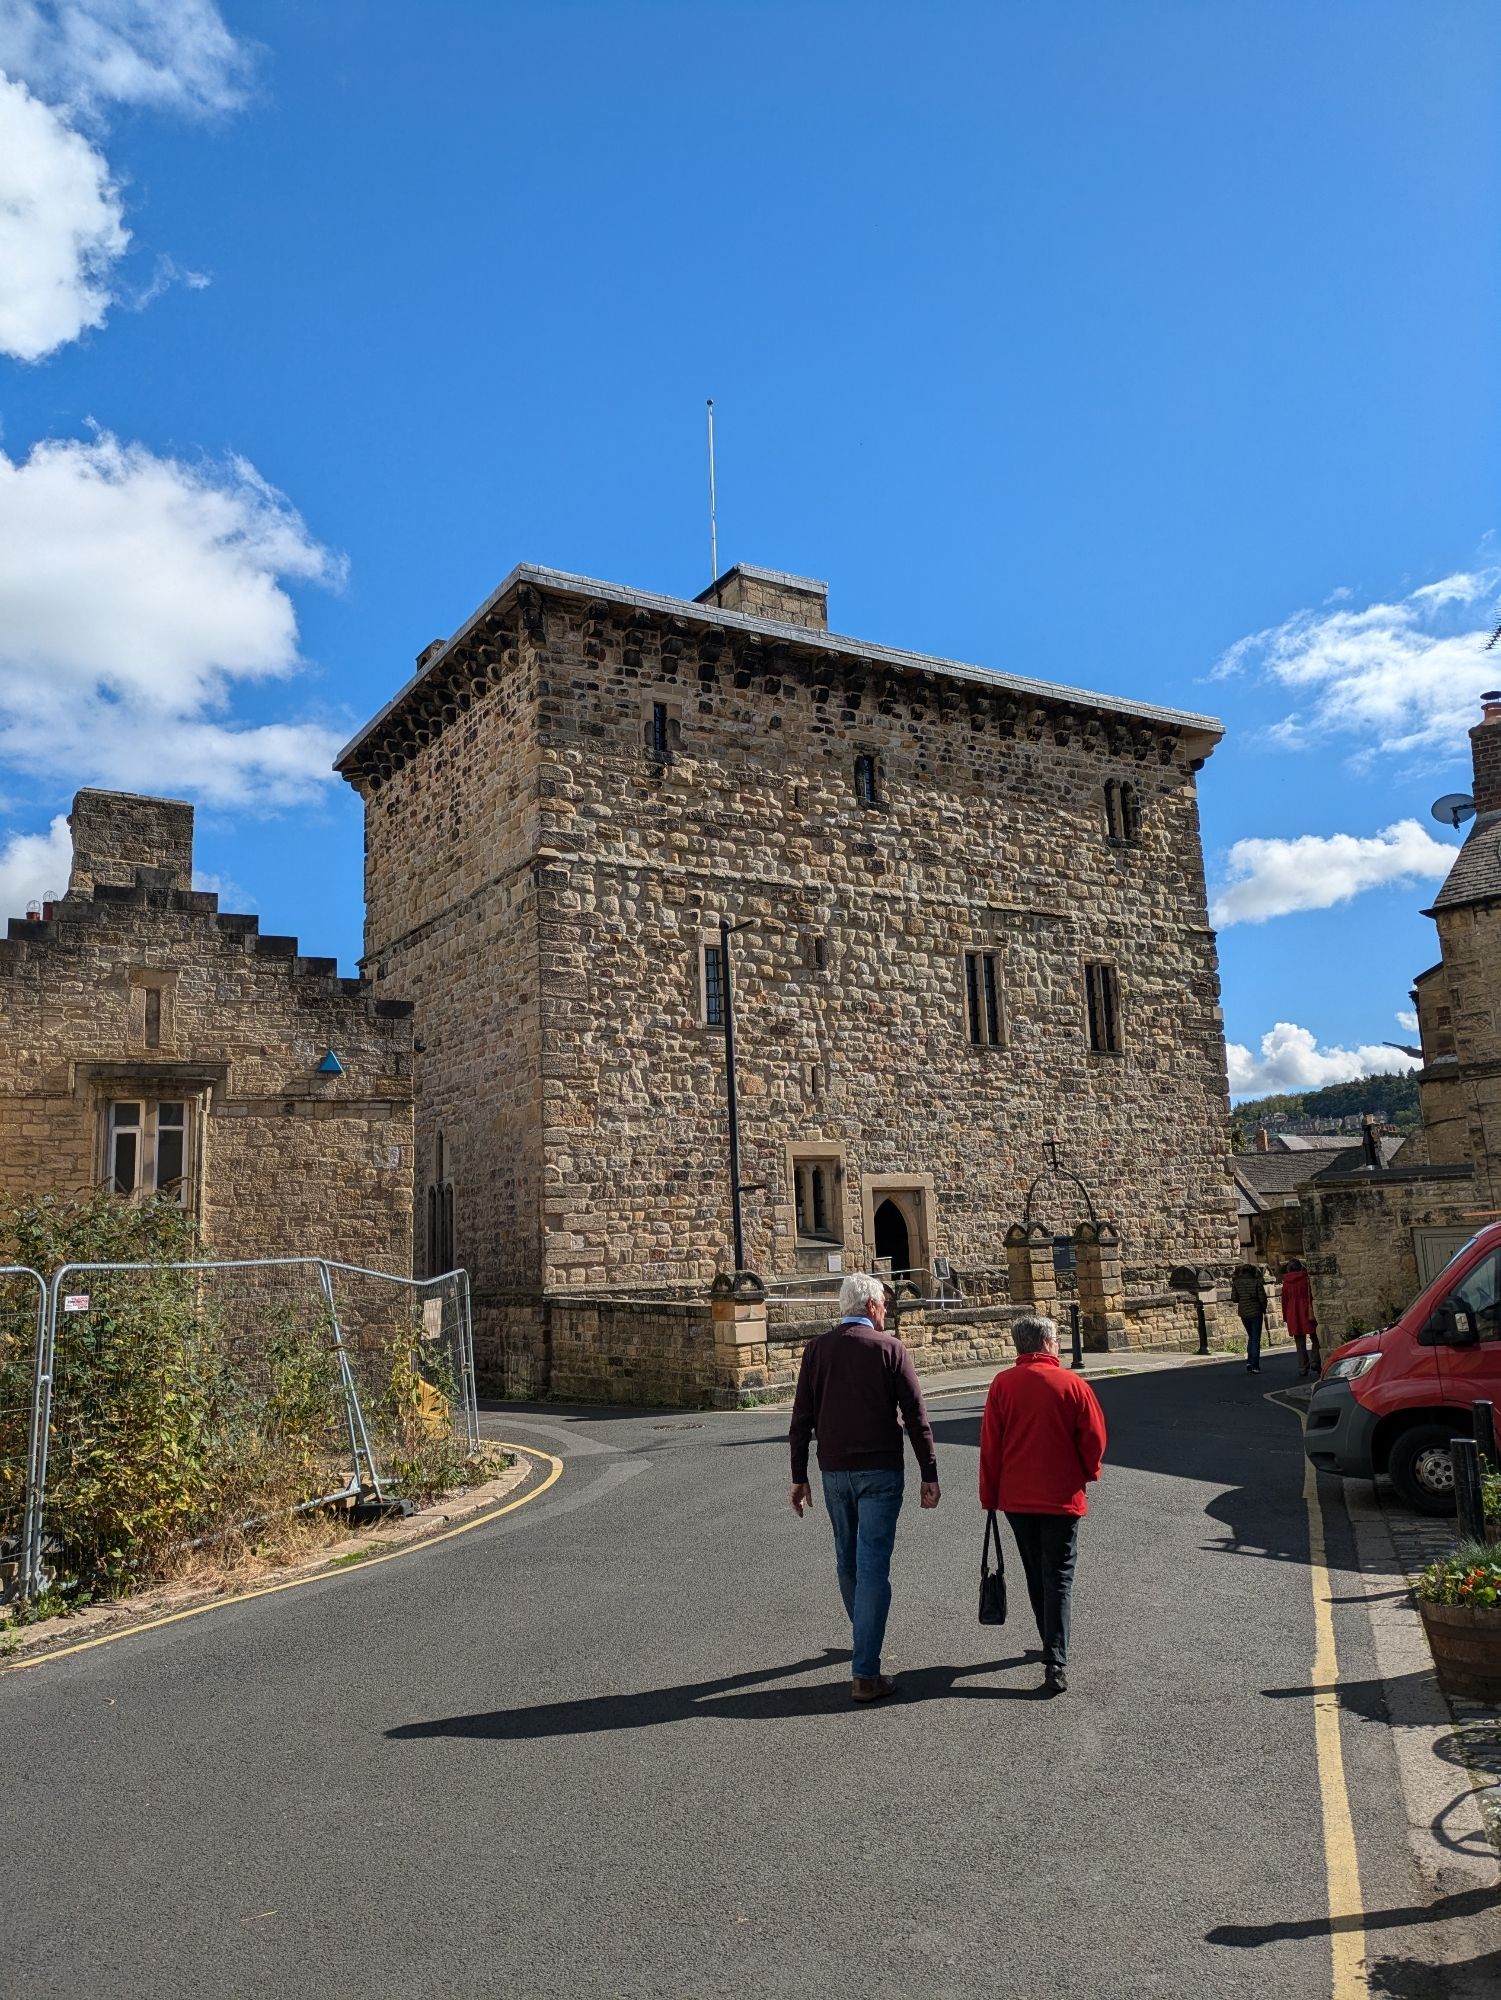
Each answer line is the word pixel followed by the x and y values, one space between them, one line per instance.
pixel 1297 1315
pixel 1042 1440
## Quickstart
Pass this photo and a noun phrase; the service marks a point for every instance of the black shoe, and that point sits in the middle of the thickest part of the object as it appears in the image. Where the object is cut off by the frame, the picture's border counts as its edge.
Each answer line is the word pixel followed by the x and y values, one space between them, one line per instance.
pixel 1055 1681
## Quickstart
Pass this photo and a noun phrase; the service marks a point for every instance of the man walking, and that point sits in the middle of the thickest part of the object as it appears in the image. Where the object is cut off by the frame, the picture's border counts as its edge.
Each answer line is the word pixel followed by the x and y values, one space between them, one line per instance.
pixel 1042 1440
pixel 853 1381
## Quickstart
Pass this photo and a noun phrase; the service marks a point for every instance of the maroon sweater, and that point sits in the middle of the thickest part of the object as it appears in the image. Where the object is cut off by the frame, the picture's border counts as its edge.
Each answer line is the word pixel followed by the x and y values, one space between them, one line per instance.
pixel 852 1383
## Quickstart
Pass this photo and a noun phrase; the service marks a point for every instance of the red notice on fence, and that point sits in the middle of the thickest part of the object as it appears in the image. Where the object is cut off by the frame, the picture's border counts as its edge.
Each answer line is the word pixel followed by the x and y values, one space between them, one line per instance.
pixel 75 1302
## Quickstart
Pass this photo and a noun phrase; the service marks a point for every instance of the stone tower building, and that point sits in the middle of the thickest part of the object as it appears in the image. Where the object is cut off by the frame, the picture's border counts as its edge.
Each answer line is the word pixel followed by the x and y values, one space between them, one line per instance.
pixel 974 929
pixel 152 1043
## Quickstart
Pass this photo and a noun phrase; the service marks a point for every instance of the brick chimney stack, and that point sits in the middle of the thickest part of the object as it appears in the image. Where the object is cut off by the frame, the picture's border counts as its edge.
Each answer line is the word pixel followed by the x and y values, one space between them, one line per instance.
pixel 1485 745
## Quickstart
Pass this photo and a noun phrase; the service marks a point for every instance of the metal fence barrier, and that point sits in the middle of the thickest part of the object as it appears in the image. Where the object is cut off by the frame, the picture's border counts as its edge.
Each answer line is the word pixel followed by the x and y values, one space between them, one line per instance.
pixel 168 1405
pixel 23 1329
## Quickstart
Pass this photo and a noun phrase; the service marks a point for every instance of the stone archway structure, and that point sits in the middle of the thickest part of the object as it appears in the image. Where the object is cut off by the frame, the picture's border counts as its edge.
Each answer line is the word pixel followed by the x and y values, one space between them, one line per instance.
pixel 1033 1277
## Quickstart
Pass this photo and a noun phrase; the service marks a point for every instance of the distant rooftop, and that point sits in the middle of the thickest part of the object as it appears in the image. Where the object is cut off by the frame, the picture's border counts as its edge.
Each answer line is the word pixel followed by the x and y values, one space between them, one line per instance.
pixel 749 585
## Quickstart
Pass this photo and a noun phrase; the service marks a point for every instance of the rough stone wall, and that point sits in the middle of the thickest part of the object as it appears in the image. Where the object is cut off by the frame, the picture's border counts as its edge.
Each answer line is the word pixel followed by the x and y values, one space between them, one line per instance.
pixel 990 835
pixel 452 873
pixel 1359 1246
pixel 1469 1104
pixel 284 1161
pixel 116 833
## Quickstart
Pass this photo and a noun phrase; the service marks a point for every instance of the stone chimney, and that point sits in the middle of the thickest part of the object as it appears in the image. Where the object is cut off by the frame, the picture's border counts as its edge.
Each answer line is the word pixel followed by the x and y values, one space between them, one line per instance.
pixel 771 594
pixel 1485 746
pixel 1263 1139
pixel 117 835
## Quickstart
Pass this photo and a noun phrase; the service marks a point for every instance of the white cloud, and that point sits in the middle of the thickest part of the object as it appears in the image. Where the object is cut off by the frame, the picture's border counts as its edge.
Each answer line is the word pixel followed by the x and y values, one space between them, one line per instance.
pixel 1271 878
pixel 171 54
pixel 1407 1019
pixel 61 228
pixel 1400 678
pixel 136 592
pixel 1291 1059
pixel 34 866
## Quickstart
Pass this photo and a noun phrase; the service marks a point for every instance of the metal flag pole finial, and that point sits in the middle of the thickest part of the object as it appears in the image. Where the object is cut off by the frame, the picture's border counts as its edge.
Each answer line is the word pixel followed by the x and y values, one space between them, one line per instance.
pixel 713 526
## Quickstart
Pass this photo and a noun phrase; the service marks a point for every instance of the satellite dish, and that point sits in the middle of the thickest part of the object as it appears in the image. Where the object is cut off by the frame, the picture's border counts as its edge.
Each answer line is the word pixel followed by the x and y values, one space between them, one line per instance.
pixel 1454 808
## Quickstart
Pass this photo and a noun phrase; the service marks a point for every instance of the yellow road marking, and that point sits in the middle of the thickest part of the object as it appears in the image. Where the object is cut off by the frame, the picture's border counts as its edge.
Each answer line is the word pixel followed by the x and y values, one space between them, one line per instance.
pixel 330 1575
pixel 1341 1868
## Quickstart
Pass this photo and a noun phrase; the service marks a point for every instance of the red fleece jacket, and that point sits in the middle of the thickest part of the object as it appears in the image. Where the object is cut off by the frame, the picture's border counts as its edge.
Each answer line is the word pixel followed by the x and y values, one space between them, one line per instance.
pixel 1042 1439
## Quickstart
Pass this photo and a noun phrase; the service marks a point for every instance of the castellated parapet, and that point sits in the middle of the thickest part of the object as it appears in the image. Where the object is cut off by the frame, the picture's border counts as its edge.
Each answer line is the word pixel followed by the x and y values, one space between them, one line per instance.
pixel 149 1040
pixel 975 928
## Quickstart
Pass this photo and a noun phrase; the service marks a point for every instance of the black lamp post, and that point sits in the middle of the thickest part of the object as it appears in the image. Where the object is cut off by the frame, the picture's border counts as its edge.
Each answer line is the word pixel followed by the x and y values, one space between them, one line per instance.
pixel 726 931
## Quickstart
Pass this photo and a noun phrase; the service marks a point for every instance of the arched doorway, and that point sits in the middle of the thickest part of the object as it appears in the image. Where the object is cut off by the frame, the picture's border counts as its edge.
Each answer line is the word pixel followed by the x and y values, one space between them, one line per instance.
pixel 892 1237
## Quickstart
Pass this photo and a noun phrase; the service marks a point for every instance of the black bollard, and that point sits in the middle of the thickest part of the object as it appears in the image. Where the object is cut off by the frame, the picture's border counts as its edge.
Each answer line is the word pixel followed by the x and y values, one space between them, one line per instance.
pixel 1203 1326
pixel 1485 1434
pixel 1468 1499
pixel 1073 1316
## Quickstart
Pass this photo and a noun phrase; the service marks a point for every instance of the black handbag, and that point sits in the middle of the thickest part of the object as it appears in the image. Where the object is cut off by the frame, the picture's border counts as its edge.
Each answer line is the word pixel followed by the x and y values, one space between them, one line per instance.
pixel 992 1582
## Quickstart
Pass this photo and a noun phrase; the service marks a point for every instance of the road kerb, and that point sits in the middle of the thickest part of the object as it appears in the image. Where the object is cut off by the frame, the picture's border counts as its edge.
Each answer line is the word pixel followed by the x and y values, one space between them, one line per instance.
pixel 328 1575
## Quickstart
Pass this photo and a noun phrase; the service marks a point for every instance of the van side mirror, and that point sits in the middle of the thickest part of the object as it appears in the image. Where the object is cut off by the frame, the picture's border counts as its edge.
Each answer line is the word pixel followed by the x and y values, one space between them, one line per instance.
pixel 1450 1324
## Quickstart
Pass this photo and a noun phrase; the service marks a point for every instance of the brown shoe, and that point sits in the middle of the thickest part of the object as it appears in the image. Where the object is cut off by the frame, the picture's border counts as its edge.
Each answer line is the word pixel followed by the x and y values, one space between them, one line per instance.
pixel 873 1688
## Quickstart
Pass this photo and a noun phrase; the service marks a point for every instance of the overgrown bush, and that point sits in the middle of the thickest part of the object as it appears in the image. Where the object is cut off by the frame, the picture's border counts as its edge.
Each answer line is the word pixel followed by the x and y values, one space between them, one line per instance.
pixel 189 1405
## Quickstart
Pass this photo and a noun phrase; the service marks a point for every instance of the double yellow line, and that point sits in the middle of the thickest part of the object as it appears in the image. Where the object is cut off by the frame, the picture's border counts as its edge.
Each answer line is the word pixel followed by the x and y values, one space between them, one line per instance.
pixel 1341 1868
pixel 554 1474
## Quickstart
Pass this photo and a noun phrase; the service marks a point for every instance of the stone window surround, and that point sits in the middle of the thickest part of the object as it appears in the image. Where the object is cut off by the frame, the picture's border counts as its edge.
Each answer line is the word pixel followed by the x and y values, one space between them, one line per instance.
pixel 1123 812
pixel 983 948
pixel 191 1084
pixel 1116 1047
pixel 666 748
pixel 142 982
pixel 825 1153
pixel 708 942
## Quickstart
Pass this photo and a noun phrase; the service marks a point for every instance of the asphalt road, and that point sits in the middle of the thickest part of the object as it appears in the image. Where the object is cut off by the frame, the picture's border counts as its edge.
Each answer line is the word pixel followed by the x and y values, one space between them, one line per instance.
pixel 604 1748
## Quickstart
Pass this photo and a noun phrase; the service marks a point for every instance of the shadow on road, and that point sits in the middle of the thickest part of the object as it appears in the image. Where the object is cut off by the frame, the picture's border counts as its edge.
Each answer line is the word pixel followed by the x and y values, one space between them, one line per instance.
pixel 1420 1979
pixel 1376 1700
pixel 736 1697
pixel 1468 1903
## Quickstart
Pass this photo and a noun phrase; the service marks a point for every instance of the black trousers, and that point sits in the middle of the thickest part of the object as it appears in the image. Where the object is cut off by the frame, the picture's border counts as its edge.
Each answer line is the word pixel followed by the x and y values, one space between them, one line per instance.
pixel 1049 1545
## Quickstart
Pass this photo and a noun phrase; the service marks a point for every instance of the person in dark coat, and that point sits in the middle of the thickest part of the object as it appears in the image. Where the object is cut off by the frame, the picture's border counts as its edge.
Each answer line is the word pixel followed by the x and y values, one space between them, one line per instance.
pixel 1042 1441
pixel 1248 1296
pixel 1297 1316
pixel 857 1393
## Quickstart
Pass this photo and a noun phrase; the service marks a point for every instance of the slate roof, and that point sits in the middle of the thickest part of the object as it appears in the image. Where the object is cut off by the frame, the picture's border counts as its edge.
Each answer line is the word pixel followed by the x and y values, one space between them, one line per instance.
pixel 1352 1159
pixel 1273 1178
pixel 1476 874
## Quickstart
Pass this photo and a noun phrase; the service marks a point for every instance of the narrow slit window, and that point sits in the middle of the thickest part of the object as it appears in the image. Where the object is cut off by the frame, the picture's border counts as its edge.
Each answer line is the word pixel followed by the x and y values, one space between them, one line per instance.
pixel 153 998
pixel 1102 999
pixel 713 986
pixel 865 780
pixel 982 998
pixel 661 747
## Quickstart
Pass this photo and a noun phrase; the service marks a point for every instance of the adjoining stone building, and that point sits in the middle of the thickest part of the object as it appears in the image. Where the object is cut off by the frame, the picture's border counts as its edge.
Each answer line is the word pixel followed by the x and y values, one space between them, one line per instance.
pixel 974 929
pixel 150 1042
pixel 1376 1234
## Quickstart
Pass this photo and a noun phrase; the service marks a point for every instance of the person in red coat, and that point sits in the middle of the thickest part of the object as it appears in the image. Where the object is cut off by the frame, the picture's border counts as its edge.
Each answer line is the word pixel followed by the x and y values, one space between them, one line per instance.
pixel 1042 1441
pixel 1297 1315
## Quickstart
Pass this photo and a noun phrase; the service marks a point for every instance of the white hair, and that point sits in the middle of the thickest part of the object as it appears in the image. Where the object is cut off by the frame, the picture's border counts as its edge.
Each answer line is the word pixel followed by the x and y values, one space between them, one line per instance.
pixel 1034 1332
pixel 858 1291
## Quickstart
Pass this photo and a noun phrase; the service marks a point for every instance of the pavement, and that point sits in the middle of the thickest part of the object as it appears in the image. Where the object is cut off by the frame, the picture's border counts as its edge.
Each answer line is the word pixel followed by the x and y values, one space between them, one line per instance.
pixel 603 1747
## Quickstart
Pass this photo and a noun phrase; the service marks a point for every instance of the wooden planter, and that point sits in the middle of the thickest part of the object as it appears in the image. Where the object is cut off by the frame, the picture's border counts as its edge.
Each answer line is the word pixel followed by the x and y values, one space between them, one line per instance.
pixel 1466 1642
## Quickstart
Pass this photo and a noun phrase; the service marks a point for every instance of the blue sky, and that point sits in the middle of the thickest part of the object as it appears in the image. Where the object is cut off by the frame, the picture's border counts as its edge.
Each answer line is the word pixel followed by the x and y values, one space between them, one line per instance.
pixel 1144 347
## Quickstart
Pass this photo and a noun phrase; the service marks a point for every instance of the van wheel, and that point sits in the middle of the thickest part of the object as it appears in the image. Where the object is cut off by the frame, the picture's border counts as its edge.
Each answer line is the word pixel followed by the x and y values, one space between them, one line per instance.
pixel 1422 1468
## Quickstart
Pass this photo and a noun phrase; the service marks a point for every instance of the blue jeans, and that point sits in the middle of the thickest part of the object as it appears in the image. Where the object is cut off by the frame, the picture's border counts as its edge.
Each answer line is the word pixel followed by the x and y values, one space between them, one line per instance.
pixel 863 1507
pixel 1253 1323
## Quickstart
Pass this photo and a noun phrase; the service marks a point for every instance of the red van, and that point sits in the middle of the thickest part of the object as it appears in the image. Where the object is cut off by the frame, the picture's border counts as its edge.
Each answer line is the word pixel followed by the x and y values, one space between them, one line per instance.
pixel 1391 1401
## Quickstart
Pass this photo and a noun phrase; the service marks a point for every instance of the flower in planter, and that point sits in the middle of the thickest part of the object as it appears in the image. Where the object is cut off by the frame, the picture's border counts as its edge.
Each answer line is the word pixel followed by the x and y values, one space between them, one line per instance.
pixel 1470 1577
